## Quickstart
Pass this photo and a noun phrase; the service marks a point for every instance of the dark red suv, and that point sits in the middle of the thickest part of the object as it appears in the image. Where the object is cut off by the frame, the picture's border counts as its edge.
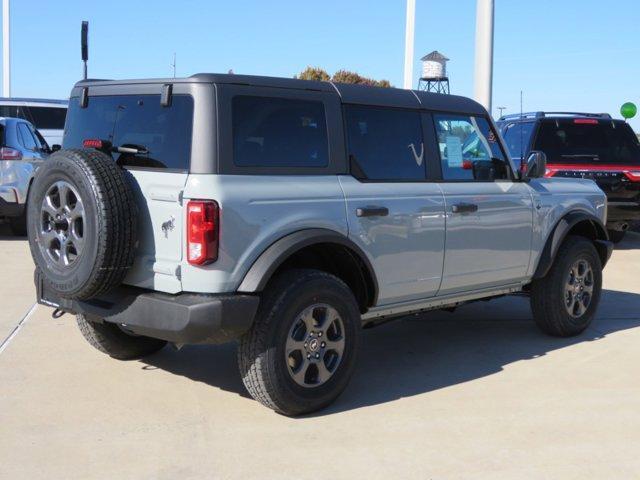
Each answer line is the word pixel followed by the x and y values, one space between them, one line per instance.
pixel 584 145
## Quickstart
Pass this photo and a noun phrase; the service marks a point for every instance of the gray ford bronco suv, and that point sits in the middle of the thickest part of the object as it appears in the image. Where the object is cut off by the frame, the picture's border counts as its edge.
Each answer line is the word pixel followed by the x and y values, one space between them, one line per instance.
pixel 287 214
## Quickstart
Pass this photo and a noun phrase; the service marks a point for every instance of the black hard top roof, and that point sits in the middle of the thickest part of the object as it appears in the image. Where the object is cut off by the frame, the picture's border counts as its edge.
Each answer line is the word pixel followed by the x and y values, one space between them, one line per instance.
pixel 349 93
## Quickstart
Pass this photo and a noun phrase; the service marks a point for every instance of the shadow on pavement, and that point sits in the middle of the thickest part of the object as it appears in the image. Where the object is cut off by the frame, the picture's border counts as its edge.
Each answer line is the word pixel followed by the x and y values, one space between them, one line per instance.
pixel 7 235
pixel 419 354
pixel 631 241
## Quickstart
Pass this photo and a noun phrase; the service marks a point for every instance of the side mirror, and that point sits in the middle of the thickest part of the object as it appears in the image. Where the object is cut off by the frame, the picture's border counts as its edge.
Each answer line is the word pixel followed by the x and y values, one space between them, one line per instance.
pixel 55 147
pixel 535 166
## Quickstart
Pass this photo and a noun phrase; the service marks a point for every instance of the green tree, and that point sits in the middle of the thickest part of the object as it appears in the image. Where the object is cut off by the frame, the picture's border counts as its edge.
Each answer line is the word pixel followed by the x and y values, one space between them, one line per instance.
pixel 345 76
pixel 314 73
pixel 341 76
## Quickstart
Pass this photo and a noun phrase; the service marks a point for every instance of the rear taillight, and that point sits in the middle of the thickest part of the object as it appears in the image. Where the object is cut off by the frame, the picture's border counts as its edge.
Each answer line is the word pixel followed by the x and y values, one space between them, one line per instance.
pixel 633 175
pixel 202 232
pixel 548 172
pixel 96 143
pixel 8 153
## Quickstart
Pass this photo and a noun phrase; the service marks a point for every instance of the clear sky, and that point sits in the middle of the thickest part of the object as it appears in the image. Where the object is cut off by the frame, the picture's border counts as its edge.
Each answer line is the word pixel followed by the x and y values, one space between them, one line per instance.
pixel 564 54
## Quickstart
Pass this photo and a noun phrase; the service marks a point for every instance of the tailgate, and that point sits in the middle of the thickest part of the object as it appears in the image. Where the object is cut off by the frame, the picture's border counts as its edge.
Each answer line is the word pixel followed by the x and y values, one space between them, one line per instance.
pixel 160 230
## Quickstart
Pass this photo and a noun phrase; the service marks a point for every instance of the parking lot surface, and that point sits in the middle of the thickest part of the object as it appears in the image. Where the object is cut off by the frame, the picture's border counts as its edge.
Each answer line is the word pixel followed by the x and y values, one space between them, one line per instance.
pixel 478 393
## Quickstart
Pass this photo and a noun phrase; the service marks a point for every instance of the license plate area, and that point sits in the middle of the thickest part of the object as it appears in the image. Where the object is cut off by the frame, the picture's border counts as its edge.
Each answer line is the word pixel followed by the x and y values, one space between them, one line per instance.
pixel 44 295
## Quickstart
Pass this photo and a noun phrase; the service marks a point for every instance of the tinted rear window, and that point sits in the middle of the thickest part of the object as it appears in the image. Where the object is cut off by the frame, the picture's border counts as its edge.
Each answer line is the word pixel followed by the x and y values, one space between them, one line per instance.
pixel 573 141
pixel 279 132
pixel 47 117
pixel 140 120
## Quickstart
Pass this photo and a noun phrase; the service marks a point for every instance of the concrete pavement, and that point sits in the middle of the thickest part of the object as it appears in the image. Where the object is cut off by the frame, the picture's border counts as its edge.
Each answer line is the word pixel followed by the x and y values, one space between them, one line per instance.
pixel 479 393
pixel 16 281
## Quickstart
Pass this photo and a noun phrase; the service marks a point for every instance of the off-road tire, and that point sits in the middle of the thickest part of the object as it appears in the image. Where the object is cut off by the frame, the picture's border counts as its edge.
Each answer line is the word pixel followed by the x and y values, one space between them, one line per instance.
pixel 261 354
pixel 109 227
pixel 548 293
pixel 616 236
pixel 109 338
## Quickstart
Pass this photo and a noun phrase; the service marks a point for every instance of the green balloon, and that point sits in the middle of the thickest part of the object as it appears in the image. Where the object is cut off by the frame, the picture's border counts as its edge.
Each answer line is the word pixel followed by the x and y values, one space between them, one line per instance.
pixel 628 110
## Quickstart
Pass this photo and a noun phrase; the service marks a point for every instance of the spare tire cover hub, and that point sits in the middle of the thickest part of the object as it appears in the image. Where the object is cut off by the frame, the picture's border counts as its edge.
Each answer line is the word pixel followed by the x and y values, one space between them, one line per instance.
pixel 62 221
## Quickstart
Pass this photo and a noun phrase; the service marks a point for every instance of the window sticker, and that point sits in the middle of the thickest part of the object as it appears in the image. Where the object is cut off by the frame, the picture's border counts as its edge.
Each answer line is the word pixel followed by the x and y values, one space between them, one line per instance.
pixel 453 151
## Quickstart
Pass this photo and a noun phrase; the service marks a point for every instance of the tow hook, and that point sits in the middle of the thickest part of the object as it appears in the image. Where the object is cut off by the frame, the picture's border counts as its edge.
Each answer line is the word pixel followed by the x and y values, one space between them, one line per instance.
pixel 57 313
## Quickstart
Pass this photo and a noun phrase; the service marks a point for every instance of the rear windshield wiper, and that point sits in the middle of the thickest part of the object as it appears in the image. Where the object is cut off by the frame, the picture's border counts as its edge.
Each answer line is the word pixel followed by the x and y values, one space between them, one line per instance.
pixel 131 148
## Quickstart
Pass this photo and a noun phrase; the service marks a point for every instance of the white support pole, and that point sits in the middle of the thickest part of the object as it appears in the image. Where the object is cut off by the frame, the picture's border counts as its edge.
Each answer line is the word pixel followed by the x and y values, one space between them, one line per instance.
pixel 484 53
pixel 408 43
pixel 6 51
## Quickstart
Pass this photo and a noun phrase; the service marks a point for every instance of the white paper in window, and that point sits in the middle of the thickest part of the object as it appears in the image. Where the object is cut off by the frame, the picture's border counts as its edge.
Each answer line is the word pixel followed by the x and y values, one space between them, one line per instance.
pixel 454 151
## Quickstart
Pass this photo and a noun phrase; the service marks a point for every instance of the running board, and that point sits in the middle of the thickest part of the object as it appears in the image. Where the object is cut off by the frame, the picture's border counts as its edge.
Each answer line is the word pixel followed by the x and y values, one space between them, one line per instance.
pixel 417 306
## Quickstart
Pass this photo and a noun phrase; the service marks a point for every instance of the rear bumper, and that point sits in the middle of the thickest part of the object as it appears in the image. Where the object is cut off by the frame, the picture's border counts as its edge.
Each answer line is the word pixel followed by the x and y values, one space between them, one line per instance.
pixel 182 319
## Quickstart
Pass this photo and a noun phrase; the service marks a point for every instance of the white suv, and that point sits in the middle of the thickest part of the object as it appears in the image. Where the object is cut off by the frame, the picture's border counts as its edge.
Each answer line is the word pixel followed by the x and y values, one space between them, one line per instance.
pixel 48 116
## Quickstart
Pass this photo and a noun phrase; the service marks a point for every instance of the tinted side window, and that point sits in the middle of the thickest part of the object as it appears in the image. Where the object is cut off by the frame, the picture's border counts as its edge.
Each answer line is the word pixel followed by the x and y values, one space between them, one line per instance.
pixel 47 117
pixel 469 149
pixel 517 137
pixel 26 138
pixel 385 144
pixel 140 120
pixel 279 132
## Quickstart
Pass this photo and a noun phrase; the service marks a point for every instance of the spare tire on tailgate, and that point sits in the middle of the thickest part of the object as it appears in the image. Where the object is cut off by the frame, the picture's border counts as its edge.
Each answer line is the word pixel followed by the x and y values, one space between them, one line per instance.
pixel 81 223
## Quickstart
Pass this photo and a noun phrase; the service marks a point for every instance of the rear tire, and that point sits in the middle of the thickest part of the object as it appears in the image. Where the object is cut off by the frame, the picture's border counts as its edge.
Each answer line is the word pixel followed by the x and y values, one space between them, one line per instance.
pixel 616 236
pixel 301 350
pixel 565 300
pixel 109 338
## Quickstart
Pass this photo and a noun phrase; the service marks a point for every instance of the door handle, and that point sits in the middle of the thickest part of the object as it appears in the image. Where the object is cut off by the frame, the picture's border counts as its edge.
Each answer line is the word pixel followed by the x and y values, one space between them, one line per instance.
pixel 464 208
pixel 372 212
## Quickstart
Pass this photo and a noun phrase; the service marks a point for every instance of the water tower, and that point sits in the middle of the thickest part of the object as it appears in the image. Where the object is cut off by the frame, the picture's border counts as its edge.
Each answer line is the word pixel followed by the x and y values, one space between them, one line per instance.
pixel 434 73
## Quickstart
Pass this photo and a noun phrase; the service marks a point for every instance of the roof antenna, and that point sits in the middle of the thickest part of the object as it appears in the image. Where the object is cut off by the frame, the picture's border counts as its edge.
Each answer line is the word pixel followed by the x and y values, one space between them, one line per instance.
pixel 173 65
pixel 84 45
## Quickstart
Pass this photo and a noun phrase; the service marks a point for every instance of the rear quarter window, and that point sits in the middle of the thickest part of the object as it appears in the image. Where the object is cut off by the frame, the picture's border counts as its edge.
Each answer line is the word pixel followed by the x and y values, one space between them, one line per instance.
pixel 279 132
pixel 140 120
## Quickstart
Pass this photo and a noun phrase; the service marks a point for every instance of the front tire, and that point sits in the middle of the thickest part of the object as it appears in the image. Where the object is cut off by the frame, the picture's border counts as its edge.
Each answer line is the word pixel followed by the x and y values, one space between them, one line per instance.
pixel 109 338
pixel 301 350
pixel 565 300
